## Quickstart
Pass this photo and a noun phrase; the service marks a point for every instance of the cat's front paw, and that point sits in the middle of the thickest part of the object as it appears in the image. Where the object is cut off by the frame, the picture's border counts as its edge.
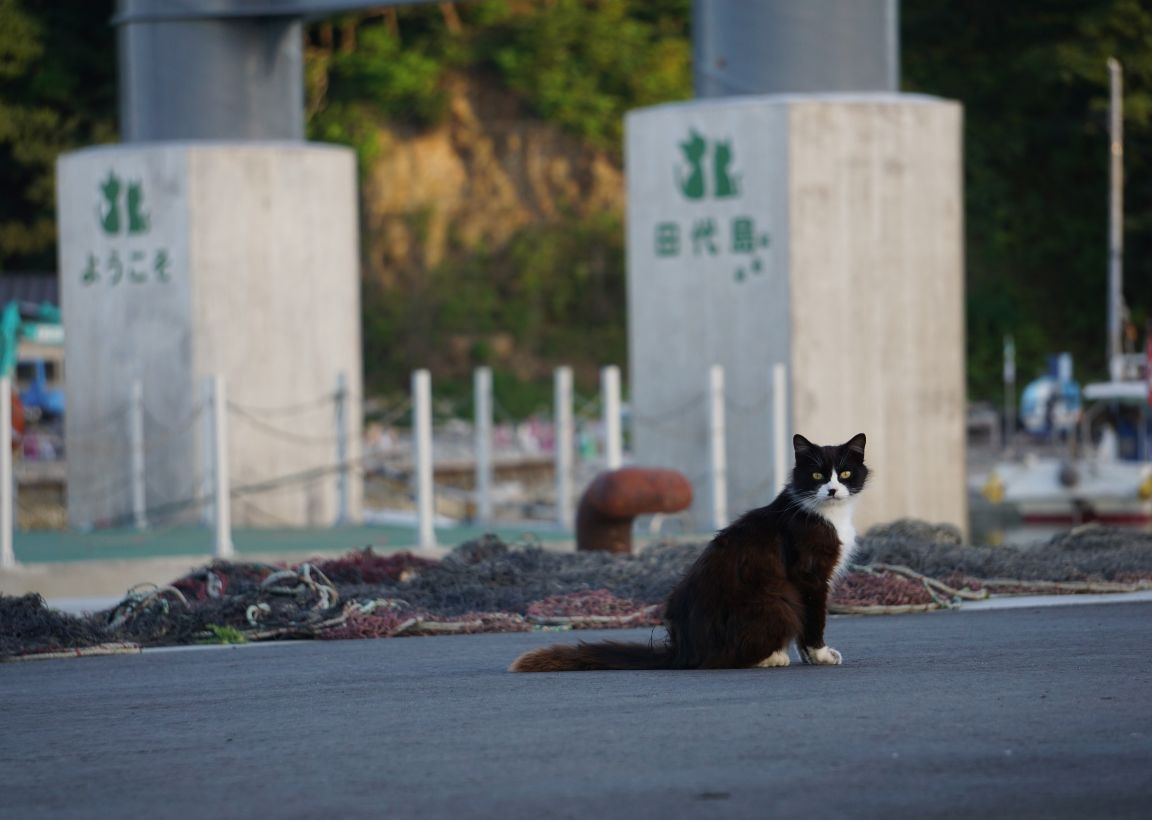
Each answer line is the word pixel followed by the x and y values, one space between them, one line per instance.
pixel 821 656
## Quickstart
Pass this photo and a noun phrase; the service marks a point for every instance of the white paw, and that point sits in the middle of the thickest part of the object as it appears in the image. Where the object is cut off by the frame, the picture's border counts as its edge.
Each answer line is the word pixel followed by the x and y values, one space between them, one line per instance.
pixel 777 659
pixel 822 656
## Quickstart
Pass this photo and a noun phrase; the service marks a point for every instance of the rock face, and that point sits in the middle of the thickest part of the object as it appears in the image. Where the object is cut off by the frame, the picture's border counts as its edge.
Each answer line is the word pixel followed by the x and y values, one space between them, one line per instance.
pixel 489 170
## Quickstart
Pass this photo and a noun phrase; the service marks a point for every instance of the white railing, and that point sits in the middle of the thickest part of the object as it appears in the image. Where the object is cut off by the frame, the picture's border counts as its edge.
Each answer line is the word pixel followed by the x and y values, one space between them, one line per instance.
pixel 579 441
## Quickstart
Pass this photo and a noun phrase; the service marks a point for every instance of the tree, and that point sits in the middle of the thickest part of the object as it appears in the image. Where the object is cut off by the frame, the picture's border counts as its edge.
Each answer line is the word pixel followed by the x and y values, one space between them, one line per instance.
pixel 57 93
pixel 1034 83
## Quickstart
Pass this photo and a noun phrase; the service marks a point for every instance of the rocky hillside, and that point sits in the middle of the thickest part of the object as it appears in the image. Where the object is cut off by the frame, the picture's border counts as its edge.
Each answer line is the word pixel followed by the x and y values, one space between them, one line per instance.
pixel 492 237
pixel 490 170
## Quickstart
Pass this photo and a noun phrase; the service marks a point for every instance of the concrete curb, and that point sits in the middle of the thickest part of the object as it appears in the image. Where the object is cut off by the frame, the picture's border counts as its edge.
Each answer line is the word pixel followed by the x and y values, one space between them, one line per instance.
pixel 1047 600
pixel 82 605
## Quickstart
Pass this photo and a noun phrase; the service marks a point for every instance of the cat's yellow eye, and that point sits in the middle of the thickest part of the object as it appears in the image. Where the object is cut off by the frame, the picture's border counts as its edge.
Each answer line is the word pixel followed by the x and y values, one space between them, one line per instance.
pixel 816 475
pixel 845 474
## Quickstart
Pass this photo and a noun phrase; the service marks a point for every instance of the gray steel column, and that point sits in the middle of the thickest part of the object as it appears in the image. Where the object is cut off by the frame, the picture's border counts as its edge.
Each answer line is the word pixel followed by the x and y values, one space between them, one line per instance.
pixel 199 78
pixel 785 46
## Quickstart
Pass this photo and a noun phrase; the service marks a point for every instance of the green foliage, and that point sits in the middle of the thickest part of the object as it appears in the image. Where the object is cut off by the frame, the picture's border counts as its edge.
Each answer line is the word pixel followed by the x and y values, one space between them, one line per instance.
pixel 20 43
pixel 225 635
pixel 564 272
pixel 57 93
pixel 578 63
pixel 1034 84
pixel 556 289
pixel 352 91
pixel 394 80
pixel 518 398
pixel 583 65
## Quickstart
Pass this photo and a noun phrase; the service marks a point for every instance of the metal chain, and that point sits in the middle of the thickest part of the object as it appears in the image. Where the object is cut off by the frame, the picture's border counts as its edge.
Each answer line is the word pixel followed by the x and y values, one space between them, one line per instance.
pixel 288 410
pixel 290 436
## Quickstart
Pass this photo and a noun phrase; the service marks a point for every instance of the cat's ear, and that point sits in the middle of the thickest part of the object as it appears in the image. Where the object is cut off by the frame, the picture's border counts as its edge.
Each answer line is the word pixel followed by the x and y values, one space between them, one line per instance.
pixel 856 445
pixel 800 444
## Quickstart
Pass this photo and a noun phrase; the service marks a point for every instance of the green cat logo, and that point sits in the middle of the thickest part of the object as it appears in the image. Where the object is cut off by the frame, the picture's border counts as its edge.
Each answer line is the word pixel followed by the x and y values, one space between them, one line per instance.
pixel 726 184
pixel 137 219
pixel 110 208
pixel 109 211
pixel 692 181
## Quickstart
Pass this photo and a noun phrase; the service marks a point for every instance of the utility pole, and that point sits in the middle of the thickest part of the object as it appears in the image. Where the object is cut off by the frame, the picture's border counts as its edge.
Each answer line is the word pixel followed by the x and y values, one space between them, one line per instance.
pixel 1115 218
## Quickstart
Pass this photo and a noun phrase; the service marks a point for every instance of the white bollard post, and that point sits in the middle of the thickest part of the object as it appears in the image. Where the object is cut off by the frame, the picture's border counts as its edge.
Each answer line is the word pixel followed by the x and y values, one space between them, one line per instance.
pixel 422 434
pixel 717 475
pixel 7 523
pixel 562 414
pixel 221 486
pixel 610 399
pixel 207 453
pixel 482 392
pixel 136 443
pixel 341 403
pixel 780 447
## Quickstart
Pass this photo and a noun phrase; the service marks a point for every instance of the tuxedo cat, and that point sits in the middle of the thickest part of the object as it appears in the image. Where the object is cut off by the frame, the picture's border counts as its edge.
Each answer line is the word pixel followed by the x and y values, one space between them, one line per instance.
pixel 760 584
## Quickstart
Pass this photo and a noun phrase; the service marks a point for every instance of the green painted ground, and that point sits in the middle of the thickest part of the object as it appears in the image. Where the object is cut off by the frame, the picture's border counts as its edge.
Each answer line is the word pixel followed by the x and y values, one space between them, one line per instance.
pixel 127 543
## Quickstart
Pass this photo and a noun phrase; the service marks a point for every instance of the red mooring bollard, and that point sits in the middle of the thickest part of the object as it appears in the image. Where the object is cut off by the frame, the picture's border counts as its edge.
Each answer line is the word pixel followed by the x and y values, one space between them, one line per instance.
pixel 615 498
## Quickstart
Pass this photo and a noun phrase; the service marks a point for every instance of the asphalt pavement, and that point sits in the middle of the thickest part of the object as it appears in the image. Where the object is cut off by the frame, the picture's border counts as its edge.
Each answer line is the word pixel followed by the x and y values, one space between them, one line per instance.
pixel 1031 712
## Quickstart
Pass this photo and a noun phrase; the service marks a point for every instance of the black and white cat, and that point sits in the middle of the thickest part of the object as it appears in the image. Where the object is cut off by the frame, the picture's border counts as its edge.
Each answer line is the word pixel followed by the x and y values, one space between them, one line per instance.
pixel 760 584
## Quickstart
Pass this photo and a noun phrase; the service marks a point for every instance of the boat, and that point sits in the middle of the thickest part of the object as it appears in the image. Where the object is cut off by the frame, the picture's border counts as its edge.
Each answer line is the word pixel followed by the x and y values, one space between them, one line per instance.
pixel 1088 483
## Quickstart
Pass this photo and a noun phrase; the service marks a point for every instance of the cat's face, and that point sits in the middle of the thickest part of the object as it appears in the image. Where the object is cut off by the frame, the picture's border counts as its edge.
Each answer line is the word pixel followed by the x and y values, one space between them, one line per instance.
pixel 829 474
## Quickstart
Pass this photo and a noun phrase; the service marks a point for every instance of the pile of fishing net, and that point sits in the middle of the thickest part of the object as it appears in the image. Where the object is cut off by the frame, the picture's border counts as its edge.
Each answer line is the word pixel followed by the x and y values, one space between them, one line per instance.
pixel 487 585
pixel 28 626
pixel 484 585
pixel 1088 554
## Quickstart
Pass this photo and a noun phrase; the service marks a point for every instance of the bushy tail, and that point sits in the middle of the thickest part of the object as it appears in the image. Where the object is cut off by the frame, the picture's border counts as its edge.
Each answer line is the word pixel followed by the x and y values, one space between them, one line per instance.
pixel 594 656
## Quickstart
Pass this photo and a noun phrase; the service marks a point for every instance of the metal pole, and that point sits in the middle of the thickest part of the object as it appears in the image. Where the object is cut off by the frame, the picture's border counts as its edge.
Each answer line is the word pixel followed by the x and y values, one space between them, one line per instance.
pixel 221 487
pixel 780 449
pixel 610 398
pixel 422 432
pixel 718 462
pixel 482 391
pixel 136 437
pixel 1115 217
pixel 7 523
pixel 562 412
pixel 341 403
pixel 1009 391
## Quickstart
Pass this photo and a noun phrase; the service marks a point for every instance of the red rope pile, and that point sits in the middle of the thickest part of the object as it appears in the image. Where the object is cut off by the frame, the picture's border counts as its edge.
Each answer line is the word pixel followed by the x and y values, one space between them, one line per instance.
pixel 884 588
pixel 366 567
pixel 593 609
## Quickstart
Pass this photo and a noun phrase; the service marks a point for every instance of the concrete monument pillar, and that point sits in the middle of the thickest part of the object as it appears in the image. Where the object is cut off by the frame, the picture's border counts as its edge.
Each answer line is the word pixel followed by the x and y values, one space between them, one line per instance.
pixel 184 260
pixel 822 231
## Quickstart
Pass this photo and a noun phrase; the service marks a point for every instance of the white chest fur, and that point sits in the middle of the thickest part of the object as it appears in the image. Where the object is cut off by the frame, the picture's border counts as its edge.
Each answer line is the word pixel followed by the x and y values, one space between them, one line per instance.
pixel 839 516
